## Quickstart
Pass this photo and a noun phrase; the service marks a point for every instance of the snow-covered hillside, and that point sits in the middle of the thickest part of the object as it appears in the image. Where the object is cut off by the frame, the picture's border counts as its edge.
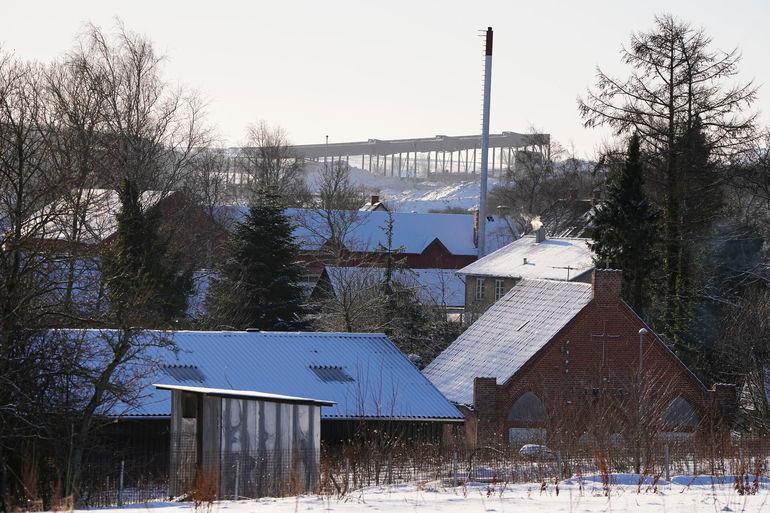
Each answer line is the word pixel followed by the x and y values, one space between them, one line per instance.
pixel 411 195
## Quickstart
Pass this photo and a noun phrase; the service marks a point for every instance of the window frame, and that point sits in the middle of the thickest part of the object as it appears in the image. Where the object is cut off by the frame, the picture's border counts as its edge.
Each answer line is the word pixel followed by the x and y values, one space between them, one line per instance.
pixel 480 288
pixel 499 288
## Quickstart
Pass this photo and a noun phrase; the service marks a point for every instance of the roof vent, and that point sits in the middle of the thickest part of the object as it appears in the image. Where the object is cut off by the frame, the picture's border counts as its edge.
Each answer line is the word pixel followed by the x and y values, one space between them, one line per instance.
pixel 253 330
pixel 184 373
pixel 525 261
pixel 331 373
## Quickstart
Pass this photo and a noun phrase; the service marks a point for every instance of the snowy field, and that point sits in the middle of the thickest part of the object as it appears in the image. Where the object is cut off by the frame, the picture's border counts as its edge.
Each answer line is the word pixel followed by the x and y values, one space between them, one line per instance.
pixel 682 494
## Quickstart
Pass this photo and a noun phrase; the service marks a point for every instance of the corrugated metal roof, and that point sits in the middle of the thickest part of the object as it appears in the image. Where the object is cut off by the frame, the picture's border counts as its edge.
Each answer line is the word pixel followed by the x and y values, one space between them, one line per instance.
pixel 385 385
pixel 507 335
pixel 544 260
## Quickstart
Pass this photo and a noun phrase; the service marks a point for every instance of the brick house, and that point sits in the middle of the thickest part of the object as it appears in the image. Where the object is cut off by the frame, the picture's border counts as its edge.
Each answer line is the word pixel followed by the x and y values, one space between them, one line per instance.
pixel 564 357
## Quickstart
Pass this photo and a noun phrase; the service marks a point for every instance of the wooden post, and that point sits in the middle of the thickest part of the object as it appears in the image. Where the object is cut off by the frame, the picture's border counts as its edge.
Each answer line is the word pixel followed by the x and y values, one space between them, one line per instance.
pixel 120 482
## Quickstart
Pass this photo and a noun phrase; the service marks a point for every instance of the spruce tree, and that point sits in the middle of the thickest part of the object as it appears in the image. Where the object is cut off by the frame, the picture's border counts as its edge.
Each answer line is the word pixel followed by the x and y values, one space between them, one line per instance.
pixel 259 283
pixel 625 228
pixel 143 277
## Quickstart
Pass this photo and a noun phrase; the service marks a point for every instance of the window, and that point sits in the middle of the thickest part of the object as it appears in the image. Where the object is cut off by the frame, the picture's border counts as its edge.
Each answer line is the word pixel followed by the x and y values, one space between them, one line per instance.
pixel 527 408
pixel 331 373
pixel 479 289
pixel 680 415
pixel 499 289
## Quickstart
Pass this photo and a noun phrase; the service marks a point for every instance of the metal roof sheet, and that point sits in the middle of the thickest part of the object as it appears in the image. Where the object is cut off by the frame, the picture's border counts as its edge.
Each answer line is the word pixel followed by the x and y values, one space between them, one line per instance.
pixel 507 335
pixel 385 385
pixel 250 394
pixel 553 259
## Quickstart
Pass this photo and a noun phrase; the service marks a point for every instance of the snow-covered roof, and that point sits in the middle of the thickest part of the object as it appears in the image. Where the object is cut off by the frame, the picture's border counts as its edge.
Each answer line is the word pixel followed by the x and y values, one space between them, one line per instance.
pixel 412 232
pixel 98 208
pixel 250 394
pixel 364 374
pixel 507 335
pixel 432 286
pixel 552 259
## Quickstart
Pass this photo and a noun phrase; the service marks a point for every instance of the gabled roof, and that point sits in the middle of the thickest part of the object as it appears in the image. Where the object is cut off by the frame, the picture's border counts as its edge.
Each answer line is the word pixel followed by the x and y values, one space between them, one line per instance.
pixel 100 206
pixel 507 335
pixel 364 374
pixel 441 287
pixel 365 230
pixel 544 260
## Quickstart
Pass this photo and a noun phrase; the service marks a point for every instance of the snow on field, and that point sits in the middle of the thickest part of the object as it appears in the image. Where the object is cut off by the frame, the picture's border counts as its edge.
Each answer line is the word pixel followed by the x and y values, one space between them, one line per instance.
pixel 681 494
pixel 411 195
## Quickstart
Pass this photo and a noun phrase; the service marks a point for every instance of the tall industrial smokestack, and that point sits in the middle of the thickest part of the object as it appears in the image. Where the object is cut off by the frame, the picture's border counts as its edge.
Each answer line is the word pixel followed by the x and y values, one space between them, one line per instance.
pixel 485 144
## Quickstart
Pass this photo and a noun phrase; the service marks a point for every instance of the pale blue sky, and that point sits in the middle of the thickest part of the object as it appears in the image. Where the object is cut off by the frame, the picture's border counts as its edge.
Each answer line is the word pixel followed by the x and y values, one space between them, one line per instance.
pixel 356 70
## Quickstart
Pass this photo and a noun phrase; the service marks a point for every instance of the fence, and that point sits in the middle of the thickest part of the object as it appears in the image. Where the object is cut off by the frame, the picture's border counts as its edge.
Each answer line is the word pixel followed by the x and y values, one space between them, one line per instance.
pixel 343 469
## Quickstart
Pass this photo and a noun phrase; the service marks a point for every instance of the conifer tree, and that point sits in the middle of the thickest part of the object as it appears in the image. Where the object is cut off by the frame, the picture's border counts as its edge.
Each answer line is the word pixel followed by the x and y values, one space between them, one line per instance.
pixel 144 282
pixel 259 283
pixel 624 228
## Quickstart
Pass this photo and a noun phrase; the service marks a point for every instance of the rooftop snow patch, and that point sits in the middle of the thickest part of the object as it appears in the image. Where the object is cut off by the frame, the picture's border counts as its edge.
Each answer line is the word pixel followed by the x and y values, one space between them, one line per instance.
pixel 552 259
pixel 507 335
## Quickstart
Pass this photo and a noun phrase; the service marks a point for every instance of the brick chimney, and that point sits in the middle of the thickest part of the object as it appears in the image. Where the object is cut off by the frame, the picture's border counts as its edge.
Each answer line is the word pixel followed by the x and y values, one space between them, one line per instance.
pixel 375 199
pixel 607 283
pixel 488 426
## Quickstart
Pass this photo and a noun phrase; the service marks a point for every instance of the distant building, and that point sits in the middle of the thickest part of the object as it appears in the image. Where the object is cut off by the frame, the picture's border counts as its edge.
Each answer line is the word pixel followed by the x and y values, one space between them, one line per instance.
pixel 530 257
pixel 374 204
pixel 359 237
pixel 558 358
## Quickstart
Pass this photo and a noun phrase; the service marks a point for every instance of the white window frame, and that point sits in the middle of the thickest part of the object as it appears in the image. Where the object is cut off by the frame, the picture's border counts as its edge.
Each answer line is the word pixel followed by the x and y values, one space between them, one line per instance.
pixel 499 289
pixel 480 288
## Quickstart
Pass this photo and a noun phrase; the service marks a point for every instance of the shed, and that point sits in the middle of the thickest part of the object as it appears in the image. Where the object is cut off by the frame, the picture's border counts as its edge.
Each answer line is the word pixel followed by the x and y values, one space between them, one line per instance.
pixel 251 444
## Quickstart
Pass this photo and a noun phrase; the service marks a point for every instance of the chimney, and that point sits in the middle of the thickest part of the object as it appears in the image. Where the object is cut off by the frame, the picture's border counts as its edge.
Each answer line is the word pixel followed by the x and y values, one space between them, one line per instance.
pixel 540 234
pixel 607 284
pixel 375 199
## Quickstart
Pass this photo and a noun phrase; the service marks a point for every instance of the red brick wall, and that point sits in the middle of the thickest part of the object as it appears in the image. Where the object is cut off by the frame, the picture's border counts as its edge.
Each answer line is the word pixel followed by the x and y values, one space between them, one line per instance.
pixel 595 357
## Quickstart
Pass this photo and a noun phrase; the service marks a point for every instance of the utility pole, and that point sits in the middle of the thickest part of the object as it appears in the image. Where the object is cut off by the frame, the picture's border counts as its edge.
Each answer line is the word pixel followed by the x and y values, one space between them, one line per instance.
pixel 485 144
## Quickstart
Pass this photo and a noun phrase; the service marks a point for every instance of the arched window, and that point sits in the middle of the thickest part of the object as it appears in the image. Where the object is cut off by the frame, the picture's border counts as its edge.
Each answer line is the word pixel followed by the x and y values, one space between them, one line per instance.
pixel 527 408
pixel 680 414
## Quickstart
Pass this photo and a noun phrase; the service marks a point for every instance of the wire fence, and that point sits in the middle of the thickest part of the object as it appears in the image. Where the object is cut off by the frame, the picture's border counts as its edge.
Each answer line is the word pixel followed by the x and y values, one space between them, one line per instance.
pixel 342 469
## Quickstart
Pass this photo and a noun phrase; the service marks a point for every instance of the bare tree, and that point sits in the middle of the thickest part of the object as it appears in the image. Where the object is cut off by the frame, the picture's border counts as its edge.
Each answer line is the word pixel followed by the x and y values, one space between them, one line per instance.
pixel 542 175
pixel 269 163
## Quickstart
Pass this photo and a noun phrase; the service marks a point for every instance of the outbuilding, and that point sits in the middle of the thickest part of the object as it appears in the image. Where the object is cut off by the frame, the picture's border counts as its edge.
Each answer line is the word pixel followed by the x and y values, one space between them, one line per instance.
pixel 248 443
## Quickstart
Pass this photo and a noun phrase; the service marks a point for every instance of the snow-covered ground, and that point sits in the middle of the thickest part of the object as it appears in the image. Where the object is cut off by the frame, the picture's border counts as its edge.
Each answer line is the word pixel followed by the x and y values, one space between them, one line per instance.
pixel 411 195
pixel 682 494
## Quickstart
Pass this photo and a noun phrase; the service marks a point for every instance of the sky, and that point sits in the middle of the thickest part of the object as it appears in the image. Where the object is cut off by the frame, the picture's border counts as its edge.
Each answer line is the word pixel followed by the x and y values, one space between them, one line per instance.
pixel 357 70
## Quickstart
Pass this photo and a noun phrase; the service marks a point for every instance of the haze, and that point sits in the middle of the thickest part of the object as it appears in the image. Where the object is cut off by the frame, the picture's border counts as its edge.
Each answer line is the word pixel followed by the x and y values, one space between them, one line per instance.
pixel 396 69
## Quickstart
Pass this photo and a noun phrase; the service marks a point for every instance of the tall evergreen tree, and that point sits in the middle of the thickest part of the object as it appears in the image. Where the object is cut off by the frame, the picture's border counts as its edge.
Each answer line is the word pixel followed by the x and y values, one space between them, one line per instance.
pixel 145 283
pixel 624 228
pixel 699 202
pixel 259 283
